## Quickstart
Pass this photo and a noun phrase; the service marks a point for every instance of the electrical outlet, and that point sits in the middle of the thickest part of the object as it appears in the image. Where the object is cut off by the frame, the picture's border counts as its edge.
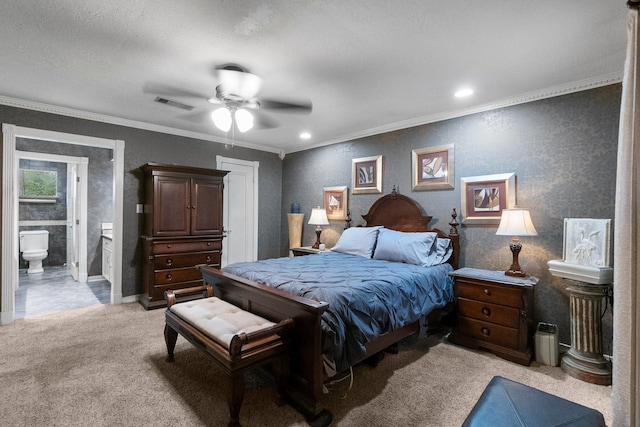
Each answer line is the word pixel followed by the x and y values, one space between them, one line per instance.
pixel 139 208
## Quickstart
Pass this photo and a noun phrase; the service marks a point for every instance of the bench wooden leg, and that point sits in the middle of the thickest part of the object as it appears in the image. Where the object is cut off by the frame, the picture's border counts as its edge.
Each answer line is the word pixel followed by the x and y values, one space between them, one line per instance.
pixel 170 338
pixel 235 396
pixel 281 376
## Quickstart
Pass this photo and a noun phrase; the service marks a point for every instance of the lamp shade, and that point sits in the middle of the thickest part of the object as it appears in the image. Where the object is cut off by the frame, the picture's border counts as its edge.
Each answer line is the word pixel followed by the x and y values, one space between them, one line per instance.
pixel 222 119
pixel 318 217
pixel 244 119
pixel 516 222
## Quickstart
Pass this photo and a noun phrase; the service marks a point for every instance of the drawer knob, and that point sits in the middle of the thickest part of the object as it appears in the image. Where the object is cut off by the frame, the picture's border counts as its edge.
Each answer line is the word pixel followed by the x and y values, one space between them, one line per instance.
pixel 169 261
pixel 486 311
pixel 208 243
pixel 486 331
pixel 487 292
pixel 208 258
pixel 168 246
pixel 168 276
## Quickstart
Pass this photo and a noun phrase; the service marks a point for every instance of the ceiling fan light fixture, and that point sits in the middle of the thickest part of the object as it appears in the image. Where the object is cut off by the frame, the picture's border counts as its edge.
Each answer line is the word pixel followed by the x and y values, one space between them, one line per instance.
pixel 222 118
pixel 244 119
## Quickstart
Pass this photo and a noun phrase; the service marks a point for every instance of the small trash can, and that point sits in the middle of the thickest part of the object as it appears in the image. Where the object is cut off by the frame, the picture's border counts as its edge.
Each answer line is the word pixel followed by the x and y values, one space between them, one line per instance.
pixel 546 343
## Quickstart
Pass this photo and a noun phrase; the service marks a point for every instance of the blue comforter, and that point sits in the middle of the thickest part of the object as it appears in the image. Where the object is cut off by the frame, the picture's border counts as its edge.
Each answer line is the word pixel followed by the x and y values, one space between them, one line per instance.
pixel 366 297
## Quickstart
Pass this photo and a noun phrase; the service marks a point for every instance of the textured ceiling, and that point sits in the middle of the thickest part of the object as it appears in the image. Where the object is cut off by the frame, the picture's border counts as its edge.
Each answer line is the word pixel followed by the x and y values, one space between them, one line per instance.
pixel 368 66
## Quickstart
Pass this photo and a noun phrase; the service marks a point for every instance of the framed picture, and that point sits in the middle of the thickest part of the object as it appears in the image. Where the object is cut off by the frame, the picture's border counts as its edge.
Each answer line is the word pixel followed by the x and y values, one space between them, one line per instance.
pixel 335 202
pixel 484 197
pixel 433 168
pixel 366 175
pixel 587 241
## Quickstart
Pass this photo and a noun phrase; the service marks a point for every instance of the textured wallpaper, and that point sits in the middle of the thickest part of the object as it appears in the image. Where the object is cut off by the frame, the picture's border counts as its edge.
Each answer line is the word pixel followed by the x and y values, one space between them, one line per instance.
pixel 562 150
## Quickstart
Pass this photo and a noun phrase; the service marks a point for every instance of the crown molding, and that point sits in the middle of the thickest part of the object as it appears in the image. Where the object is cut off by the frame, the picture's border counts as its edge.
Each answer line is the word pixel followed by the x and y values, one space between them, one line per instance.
pixel 103 118
pixel 577 86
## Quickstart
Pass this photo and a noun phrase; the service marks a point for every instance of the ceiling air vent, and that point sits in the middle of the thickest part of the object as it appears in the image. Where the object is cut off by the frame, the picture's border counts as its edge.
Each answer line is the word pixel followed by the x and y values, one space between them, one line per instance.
pixel 173 103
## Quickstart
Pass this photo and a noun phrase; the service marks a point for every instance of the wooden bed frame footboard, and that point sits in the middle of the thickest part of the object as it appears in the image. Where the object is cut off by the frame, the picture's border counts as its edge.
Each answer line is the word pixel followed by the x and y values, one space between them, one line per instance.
pixel 306 371
pixel 307 376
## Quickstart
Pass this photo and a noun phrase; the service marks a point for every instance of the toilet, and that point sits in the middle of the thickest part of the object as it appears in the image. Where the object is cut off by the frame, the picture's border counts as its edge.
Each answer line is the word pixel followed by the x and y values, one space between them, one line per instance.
pixel 34 245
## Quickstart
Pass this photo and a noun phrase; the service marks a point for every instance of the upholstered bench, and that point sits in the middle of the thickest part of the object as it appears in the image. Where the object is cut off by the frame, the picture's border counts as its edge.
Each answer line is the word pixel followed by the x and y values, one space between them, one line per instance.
pixel 508 403
pixel 236 339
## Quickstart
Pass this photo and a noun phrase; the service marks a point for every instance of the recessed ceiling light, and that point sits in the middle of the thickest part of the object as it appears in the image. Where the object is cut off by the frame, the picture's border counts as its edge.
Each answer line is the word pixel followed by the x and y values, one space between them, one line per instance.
pixel 463 93
pixel 305 135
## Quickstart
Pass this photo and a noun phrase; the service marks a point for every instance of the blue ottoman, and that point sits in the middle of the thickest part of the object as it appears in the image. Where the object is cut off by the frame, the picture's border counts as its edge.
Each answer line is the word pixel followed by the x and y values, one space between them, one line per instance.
pixel 508 403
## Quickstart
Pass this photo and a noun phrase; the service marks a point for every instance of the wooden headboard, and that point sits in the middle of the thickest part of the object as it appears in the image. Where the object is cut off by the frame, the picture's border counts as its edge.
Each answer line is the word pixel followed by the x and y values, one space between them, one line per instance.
pixel 400 213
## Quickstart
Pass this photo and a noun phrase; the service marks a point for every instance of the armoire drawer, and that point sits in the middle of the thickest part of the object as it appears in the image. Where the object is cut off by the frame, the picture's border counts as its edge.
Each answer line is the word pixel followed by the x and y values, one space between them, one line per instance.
pixel 171 247
pixel 506 316
pixel 176 275
pixel 185 260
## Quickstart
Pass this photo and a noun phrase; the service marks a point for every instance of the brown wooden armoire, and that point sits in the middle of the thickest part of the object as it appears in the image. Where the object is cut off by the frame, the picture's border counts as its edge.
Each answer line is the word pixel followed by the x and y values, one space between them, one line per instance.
pixel 182 227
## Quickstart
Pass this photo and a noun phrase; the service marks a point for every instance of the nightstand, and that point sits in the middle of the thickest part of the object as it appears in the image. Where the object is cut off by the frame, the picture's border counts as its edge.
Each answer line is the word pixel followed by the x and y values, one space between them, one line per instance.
pixel 495 312
pixel 305 250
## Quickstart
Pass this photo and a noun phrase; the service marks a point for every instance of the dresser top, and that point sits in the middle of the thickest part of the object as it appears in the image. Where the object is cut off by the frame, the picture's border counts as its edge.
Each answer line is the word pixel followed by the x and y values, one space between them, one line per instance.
pixel 494 276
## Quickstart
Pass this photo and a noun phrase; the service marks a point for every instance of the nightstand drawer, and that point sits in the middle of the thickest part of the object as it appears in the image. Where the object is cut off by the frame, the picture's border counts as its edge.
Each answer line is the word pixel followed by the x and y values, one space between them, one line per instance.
pixel 489 332
pixel 506 316
pixel 496 294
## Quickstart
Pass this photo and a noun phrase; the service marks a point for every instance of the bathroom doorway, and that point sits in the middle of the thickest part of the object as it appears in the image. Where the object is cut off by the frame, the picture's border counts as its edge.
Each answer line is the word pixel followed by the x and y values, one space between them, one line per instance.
pixel 63 214
pixel 67 212
pixel 10 247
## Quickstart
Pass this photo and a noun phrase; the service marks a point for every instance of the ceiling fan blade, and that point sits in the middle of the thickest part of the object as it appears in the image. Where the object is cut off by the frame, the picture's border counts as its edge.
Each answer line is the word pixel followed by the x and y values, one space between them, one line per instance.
pixel 166 90
pixel 298 106
pixel 263 121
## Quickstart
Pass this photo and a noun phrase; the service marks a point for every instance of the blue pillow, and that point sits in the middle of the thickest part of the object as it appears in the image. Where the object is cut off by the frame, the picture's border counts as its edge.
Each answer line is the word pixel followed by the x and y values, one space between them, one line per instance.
pixel 357 241
pixel 407 247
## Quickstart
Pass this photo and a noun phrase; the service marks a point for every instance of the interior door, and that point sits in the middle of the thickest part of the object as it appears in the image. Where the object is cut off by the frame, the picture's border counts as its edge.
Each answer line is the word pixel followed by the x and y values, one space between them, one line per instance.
pixel 75 221
pixel 240 216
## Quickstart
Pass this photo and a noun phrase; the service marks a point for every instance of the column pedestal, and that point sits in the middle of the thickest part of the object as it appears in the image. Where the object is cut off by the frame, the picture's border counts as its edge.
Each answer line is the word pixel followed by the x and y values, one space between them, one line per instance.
pixel 584 360
pixel 295 230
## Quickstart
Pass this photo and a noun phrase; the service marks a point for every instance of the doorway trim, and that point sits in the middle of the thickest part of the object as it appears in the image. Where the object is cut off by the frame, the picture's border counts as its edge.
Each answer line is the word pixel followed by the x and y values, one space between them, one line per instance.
pixel 83 163
pixel 10 254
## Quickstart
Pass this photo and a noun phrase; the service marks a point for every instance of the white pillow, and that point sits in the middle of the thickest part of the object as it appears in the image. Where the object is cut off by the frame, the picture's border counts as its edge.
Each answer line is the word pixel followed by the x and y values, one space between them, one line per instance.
pixel 443 249
pixel 407 247
pixel 357 241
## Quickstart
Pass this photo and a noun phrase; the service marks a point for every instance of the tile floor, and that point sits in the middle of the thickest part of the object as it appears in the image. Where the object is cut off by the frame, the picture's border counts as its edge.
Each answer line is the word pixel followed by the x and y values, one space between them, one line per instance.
pixel 55 290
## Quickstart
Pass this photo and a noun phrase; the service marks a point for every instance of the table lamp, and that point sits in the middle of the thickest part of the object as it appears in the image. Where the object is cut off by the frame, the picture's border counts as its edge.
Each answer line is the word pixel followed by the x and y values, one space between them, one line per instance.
pixel 318 218
pixel 516 222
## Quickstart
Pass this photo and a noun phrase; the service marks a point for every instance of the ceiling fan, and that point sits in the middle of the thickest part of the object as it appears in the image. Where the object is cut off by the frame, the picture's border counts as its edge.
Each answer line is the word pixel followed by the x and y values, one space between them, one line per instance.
pixel 236 98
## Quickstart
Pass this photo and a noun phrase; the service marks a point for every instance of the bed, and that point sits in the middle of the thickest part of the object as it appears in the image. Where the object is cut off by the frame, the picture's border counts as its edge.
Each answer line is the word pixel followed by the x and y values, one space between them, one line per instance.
pixel 339 323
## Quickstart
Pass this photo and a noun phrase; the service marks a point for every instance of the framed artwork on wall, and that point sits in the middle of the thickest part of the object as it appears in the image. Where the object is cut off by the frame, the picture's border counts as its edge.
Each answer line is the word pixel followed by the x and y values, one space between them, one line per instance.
pixel 366 175
pixel 335 202
pixel 484 197
pixel 432 168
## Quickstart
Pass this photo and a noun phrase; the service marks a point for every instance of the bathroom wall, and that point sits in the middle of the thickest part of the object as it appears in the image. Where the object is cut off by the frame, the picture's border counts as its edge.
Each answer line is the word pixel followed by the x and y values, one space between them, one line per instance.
pixel 47 216
pixel 100 199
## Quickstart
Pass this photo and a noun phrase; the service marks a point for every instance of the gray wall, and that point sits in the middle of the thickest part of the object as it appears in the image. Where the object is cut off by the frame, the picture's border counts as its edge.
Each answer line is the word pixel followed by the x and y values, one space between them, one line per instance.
pixel 142 146
pixel 563 151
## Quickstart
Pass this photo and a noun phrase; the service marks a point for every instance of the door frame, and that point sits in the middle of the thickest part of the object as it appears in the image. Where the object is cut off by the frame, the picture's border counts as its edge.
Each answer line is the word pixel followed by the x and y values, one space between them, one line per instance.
pixel 10 251
pixel 83 163
pixel 225 220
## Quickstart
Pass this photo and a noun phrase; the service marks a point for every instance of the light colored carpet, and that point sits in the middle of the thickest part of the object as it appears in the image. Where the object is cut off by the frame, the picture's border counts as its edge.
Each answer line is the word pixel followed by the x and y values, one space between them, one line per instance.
pixel 104 366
